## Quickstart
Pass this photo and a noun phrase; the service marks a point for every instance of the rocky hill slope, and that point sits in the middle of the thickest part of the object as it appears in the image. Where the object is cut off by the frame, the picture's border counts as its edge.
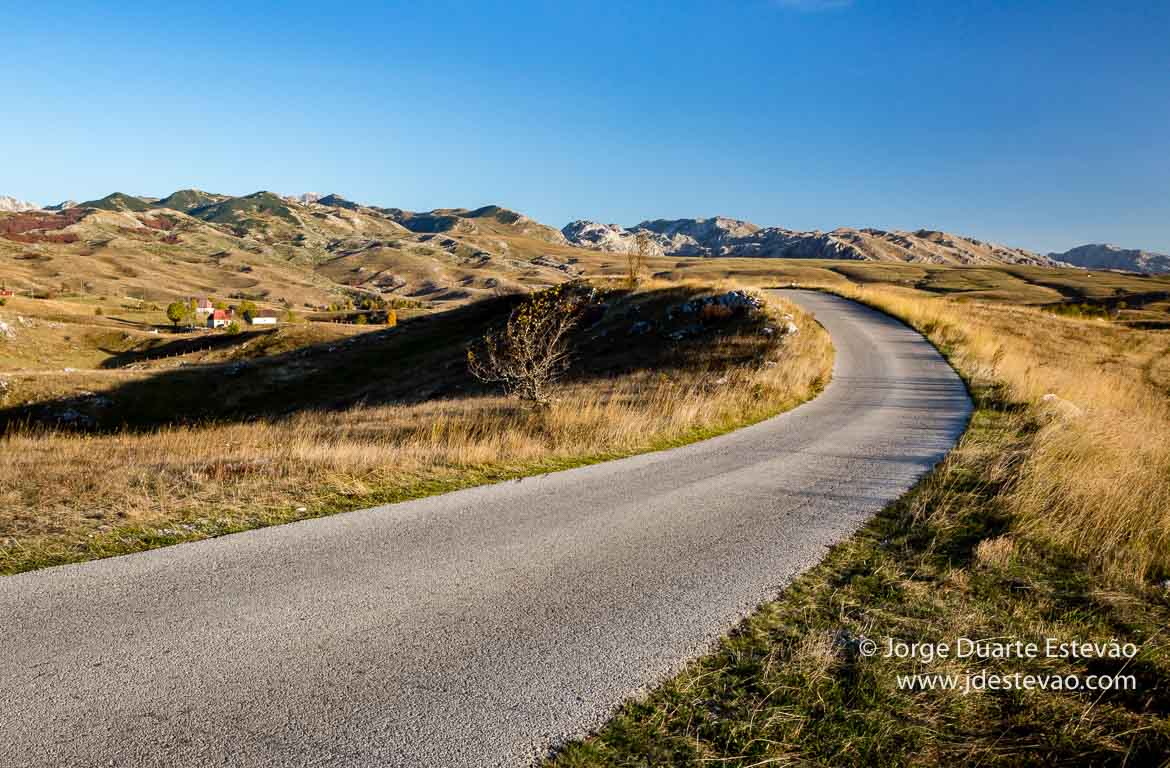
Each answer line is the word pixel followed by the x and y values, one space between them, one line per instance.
pixel 271 248
pixel 1100 256
pixel 719 236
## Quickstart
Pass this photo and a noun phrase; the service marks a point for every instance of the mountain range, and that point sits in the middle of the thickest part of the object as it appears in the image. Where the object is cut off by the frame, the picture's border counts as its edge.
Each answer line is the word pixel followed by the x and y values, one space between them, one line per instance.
pixel 1111 257
pixel 725 237
pixel 313 249
pixel 281 249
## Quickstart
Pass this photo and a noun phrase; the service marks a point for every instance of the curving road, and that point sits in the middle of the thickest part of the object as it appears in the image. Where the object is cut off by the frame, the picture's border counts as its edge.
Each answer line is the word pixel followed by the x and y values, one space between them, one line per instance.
pixel 470 629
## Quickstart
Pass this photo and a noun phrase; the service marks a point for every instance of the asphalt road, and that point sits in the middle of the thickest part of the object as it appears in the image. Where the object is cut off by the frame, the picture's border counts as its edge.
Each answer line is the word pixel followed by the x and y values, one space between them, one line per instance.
pixel 471 629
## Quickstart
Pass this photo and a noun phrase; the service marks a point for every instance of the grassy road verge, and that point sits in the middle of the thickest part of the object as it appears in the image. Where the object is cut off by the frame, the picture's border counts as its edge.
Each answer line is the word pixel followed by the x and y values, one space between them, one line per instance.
pixel 1045 524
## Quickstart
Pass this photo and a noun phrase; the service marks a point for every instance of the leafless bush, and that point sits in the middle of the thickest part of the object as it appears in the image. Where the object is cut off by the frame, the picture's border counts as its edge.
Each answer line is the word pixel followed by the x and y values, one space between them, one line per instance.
pixel 532 350
pixel 637 257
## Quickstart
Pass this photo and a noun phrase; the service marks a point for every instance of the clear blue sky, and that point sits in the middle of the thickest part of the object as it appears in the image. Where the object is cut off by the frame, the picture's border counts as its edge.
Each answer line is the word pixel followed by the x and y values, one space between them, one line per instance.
pixel 1043 124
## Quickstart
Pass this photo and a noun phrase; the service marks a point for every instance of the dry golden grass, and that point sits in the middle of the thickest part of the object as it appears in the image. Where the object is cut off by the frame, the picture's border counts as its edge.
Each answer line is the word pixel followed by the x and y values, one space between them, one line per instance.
pixel 59 490
pixel 1096 477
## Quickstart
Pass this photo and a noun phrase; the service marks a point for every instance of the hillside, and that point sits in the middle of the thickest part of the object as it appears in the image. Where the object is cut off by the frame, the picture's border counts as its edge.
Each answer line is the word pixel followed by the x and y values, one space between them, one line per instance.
pixel 1102 256
pixel 314 250
pixel 721 236
pixel 118 201
pixel 187 200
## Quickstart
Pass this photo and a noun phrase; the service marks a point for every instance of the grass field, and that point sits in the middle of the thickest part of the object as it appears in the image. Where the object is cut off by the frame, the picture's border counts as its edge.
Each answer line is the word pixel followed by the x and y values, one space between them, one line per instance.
pixel 390 416
pixel 1050 520
pixel 1140 301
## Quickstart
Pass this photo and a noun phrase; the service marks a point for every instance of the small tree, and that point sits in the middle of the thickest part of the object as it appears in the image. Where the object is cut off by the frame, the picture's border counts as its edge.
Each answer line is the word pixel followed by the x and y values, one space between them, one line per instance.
pixel 248 310
pixel 391 317
pixel 637 257
pixel 177 312
pixel 531 352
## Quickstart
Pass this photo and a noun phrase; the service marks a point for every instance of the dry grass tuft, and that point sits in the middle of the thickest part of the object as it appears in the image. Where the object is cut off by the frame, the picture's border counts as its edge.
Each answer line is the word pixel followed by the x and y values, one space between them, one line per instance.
pixel 996 553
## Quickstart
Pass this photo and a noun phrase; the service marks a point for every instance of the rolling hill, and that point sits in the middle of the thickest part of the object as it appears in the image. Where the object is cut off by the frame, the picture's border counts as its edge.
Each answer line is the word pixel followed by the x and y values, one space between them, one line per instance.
pixel 286 251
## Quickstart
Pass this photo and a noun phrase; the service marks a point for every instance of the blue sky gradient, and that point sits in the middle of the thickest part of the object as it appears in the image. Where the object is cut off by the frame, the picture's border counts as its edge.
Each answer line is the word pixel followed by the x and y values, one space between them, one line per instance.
pixel 1042 124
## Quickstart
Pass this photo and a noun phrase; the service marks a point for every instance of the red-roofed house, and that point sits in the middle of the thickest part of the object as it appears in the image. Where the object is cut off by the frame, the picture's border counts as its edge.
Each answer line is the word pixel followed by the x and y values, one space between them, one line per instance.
pixel 219 318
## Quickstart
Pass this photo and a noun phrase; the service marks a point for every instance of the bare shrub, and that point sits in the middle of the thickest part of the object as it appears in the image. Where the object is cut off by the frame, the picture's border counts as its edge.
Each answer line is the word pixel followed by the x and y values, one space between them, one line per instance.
pixel 532 350
pixel 637 257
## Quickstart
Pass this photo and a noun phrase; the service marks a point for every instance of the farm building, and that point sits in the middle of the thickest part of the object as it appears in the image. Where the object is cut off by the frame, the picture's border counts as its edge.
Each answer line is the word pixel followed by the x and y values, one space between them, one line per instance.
pixel 204 307
pixel 220 318
pixel 264 317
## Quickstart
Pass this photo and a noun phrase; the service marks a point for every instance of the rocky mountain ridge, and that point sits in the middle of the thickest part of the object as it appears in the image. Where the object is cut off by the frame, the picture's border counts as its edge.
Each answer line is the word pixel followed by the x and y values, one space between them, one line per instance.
pixel 12 205
pixel 726 237
pixel 1103 256
pixel 266 246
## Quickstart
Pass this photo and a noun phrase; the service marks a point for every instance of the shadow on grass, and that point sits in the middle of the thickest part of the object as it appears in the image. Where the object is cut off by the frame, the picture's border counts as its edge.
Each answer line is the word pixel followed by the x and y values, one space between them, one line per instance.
pixel 423 358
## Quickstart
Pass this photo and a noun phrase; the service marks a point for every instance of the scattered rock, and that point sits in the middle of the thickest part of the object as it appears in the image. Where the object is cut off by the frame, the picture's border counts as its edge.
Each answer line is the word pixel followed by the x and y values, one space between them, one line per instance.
pixel 641 327
pixel 1058 406
pixel 848 643
pixel 790 328
pixel 733 300
pixel 548 261
pixel 685 332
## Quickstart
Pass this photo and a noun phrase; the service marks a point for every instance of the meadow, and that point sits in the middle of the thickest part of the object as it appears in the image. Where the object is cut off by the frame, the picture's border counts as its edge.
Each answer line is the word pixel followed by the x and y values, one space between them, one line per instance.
pixel 367 426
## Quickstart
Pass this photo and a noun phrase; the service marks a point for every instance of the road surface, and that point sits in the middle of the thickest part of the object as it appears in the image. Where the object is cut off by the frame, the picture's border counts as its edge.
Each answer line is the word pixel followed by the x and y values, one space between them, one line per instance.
pixel 471 629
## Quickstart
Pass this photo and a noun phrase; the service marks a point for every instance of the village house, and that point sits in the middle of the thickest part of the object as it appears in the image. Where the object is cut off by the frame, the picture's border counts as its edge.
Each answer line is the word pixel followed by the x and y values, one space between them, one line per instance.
pixel 219 318
pixel 5 293
pixel 264 317
pixel 204 307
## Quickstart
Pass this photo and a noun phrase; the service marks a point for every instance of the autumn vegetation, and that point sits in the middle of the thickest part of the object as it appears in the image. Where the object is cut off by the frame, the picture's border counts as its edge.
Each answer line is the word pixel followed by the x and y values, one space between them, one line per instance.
pixel 68 495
